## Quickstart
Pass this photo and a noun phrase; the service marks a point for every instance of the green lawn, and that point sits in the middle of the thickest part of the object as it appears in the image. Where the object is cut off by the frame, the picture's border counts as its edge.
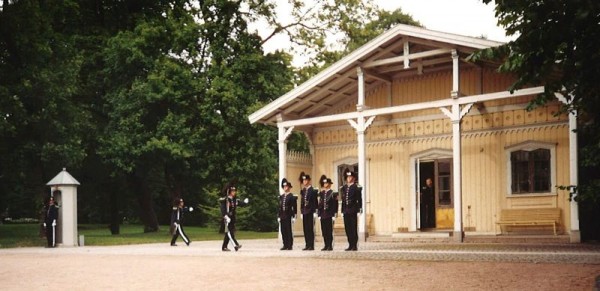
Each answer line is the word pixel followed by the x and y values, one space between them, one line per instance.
pixel 26 235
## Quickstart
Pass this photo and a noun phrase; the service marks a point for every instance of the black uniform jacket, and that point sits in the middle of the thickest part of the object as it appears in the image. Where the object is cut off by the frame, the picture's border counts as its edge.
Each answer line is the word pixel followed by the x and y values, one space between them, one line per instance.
pixel 229 206
pixel 177 214
pixel 287 206
pixel 309 200
pixel 51 214
pixel 351 198
pixel 328 203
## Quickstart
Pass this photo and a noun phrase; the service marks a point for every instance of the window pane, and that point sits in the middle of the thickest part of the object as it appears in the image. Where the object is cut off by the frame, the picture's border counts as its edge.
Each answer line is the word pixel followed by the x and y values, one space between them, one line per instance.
pixel 540 155
pixel 520 172
pixel 444 168
pixel 530 171
pixel 519 156
pixel 541 170
pixel 444 193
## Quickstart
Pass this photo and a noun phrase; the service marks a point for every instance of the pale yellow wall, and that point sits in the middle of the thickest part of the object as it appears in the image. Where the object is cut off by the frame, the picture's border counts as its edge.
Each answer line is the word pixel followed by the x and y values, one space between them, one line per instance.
pixel 485 178
pixel 392 140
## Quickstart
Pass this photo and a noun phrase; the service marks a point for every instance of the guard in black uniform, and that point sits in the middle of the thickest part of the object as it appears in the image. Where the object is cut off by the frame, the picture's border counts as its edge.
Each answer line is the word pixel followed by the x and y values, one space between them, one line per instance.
pixel 229 204
pixel 328 206
pixel 286 215
pixel 351 206
pixel 51 215
pixel 177 220
pixel 427 205
pixel 308 207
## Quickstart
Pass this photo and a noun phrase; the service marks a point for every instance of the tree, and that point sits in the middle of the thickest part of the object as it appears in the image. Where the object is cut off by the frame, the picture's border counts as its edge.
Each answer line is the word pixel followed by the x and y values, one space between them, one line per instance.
pixel 179 90
pixel 42 128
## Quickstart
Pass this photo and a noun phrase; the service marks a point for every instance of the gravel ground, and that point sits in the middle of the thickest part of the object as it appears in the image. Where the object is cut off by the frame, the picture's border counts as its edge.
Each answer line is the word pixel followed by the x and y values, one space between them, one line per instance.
pixel 259 265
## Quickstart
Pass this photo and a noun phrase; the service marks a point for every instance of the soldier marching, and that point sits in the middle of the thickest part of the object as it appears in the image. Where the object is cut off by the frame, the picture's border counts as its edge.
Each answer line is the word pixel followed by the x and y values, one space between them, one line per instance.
pixel 177 220
pixel 229 204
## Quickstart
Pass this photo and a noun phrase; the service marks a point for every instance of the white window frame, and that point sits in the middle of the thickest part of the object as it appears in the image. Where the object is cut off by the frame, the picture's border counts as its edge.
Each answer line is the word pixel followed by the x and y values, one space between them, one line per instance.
pixel 531 146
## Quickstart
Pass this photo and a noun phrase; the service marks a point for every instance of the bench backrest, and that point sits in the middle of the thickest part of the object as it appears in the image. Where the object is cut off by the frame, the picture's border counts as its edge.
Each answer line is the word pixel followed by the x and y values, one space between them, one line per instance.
pixel 530 214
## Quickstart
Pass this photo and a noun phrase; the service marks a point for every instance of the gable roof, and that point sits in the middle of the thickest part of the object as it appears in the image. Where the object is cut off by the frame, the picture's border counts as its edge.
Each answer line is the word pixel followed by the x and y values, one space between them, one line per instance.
pixel 63 178
pixel 383 59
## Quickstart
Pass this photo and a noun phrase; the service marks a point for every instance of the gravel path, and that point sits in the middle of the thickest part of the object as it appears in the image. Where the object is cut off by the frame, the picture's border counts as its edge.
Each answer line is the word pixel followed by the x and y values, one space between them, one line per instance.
pixel 259 265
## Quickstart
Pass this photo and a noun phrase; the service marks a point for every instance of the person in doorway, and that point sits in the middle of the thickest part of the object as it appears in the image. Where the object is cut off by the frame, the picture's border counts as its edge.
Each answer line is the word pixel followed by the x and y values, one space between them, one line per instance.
pixel 427 205
pixel 229 204
pixel 308 207
pixel 286 214
pixel 351 207
pixel 328 206
pixel 177 221
pixel 51 216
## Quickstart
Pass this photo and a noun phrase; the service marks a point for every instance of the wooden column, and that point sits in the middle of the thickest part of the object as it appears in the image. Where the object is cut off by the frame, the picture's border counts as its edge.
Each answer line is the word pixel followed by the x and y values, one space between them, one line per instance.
pixel 455 116
pixel 574 233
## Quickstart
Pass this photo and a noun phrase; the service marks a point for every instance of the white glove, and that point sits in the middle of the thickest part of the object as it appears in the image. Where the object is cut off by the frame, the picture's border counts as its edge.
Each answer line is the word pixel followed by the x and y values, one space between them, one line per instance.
pixel 191 209
pixel 44 224
pixel 315 215
pixel 342 214
pixel 360 211
pixel 293 220
pixel 227 219
pixel 333 219
pixel 246 200
pixel 54 223
pixel 278 219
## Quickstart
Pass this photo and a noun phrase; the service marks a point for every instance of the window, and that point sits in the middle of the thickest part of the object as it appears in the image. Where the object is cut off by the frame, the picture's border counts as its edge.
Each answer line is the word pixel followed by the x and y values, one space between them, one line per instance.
pixel 531 168
pixel 444 177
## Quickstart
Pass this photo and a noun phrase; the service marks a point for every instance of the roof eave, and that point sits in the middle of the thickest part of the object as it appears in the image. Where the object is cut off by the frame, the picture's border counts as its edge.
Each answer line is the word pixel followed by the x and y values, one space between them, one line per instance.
pixel 362 51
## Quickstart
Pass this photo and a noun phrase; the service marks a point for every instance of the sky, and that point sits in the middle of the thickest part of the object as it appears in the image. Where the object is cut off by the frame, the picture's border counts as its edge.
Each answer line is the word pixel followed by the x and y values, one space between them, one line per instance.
pixel 464 17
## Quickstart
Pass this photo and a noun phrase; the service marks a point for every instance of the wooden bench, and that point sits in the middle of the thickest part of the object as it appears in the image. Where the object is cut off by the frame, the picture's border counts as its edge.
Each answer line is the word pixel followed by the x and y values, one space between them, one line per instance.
pixel 531 217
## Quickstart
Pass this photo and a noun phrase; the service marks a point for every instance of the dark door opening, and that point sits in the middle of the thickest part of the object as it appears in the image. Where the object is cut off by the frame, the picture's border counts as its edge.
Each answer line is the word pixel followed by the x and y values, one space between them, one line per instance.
pixel 426 195
pixel 436 205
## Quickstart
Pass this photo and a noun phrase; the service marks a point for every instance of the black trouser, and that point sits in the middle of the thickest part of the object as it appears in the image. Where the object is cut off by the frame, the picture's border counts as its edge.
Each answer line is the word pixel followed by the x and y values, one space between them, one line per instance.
pixel 51 234
pixel 229 235
pixel 286 232
pixel 179 231
pixel 351 229
pixel 427 215
pixel 308 222
pixel 327 230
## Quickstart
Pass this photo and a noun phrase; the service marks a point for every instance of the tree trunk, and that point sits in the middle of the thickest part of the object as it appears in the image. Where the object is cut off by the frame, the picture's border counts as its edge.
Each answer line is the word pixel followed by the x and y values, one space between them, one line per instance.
pixel 175 188
pixel 144 196
pixel 115 218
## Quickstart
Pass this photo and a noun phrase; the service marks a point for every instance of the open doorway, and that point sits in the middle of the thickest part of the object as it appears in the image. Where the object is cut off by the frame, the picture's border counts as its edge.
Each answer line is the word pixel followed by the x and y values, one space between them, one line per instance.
pixel 434 198
pixel 426 195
